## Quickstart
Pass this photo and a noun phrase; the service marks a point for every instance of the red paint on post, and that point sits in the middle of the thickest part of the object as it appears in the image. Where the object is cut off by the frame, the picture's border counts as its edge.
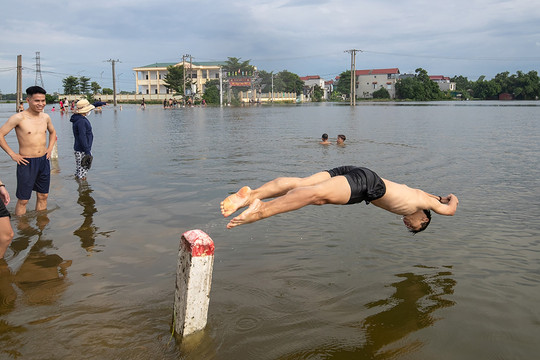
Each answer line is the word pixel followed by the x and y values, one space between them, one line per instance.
pixel 200 244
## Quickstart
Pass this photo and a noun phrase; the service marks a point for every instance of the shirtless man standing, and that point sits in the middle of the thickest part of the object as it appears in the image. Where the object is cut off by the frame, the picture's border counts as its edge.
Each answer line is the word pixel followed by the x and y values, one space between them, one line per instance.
pixel 344 185
pixel 33 168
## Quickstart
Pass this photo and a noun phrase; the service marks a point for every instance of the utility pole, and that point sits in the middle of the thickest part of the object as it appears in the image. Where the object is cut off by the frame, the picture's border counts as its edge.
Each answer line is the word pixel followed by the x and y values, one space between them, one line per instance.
pixel 39 78
pixel 272 73
pixel 113 79
pixel 19 82
pixel 220 86
pixel 184 57
pixel 353 75
pixel 191 78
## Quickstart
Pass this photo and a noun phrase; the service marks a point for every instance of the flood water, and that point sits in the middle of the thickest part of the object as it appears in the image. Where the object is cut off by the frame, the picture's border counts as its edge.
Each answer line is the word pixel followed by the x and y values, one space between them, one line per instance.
pixel 94 276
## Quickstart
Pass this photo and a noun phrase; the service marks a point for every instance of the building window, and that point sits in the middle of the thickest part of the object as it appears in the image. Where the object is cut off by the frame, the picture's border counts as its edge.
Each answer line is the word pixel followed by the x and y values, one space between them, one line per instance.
pixel 146 77
pixel 155 91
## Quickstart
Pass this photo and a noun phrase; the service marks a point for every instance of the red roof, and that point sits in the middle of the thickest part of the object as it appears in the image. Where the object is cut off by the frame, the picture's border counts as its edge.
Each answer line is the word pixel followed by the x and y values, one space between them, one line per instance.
pixel 438 77
pixel 310 77
pixel 377 72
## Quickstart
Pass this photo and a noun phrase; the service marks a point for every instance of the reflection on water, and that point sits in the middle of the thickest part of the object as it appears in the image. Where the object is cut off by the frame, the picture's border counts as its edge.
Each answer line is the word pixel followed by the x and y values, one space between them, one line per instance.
pixel 29 275
pixel 87 231
pixel 410 308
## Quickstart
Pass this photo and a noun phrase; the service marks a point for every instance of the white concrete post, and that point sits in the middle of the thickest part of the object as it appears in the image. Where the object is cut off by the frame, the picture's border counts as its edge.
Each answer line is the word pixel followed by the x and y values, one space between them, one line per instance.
pixel 54 152
pixel 193 282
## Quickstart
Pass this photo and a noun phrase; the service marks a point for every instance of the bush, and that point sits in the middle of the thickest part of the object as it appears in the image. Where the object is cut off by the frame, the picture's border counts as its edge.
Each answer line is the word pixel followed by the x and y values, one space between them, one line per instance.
pixel 382 93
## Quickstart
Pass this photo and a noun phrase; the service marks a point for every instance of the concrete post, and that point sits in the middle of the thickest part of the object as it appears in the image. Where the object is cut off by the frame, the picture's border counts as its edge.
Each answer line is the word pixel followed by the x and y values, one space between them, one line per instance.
pixel 54 152
pixel 193 282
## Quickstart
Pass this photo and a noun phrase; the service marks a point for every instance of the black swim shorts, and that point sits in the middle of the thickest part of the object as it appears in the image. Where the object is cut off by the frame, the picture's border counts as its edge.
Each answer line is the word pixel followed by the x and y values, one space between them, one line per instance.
pixel 365 184
pixel 3 211
pixel 34 176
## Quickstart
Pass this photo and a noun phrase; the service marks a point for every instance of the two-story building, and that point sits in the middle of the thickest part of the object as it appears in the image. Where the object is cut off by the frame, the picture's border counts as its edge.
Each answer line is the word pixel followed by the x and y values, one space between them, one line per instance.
pixel 369 81
pixel 150 79
pixel 444 82
pixel 309 84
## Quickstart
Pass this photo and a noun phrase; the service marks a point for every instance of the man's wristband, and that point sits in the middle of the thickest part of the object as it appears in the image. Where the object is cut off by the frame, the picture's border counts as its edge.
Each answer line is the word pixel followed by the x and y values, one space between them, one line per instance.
pixel 440 198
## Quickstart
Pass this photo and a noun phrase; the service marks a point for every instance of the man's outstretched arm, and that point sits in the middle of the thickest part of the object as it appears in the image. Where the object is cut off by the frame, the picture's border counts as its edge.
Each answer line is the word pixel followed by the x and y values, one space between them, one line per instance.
pixel 444 205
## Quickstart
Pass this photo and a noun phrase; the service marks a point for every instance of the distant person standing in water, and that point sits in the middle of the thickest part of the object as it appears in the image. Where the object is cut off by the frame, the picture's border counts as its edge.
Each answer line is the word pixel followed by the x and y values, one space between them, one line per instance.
pixel 33 167
pixel 341 139
pixel 82 132
pixel 324 139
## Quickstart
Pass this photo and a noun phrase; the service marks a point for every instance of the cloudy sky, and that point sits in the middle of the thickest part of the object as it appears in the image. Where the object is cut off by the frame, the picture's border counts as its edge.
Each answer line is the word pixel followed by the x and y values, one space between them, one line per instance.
pixel 307 37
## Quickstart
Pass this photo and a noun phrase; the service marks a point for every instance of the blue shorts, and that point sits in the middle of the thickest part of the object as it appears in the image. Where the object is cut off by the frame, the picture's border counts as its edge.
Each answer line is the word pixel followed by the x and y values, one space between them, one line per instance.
pixel 35 176
pixel 365 184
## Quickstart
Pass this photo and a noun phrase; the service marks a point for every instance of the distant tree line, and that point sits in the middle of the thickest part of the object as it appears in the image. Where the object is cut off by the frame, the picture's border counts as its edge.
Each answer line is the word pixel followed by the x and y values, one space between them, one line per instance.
pixel 420 87
pixel 521 86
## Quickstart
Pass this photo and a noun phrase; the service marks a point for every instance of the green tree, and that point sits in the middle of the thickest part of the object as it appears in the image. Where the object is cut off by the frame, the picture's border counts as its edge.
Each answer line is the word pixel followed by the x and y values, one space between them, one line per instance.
pixel 174 79
pixel 71 85
pixel 235 67
pixel 526 86
pixel 486 90
pixel 336 96
pixel 211 92
pixel 344 83
pixel 291 82
pixel 318 93
pixel 95 87
pixel 382 93
pixel 84 85
pixel 266 80
pixel 418 88
pixel 107 91
pixel 462 83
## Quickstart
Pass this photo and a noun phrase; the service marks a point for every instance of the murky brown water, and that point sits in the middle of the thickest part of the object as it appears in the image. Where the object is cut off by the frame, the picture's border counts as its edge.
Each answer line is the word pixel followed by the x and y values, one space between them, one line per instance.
pixel 94 276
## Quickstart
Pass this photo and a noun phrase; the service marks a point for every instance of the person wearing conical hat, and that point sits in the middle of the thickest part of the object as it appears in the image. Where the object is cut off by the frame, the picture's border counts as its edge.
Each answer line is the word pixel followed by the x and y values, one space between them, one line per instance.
pixel 82 132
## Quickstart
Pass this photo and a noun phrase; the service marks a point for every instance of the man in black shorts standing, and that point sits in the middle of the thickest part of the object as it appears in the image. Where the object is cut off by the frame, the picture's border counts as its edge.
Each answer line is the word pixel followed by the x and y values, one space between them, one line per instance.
pixel 343 185
pixel 33 168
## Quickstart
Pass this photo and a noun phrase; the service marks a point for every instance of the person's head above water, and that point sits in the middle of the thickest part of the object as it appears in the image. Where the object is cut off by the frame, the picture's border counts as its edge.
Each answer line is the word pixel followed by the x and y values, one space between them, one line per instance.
pixel 324 137
pixel 418 221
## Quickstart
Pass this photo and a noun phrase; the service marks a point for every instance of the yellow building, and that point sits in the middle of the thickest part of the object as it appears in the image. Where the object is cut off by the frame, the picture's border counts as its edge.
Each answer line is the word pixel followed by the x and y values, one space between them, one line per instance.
pixel 150 79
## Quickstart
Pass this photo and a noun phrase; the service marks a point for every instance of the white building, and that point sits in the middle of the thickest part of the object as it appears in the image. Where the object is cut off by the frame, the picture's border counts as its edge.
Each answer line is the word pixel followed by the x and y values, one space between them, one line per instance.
pixel 309 84
pixel 150 79
pixel 369 81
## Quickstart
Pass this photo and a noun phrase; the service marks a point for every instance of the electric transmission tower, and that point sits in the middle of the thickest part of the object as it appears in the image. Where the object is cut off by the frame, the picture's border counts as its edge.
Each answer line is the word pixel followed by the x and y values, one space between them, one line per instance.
pixel 39 78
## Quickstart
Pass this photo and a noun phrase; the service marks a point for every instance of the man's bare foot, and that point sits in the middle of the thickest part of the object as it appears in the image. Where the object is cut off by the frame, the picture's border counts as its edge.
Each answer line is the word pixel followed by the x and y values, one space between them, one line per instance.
pixel 235 201
pixel 251 214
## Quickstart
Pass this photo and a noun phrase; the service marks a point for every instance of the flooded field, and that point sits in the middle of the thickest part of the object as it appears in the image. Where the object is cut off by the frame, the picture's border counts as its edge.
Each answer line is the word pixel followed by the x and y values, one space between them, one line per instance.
pixel 94 276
